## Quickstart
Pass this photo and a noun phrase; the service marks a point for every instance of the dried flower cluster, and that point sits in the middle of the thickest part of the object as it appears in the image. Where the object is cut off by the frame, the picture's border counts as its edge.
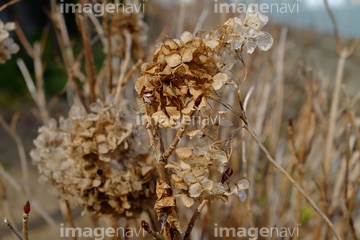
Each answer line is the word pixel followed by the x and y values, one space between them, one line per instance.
pixel 7 44
pixel 191 176
pixel 181 72
pixel 93 160
pixel 129 25
pixel 237 33
pixel 185 69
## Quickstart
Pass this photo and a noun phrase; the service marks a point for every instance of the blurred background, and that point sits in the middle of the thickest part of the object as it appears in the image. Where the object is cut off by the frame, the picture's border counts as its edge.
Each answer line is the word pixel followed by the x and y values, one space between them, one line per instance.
pixel 309 42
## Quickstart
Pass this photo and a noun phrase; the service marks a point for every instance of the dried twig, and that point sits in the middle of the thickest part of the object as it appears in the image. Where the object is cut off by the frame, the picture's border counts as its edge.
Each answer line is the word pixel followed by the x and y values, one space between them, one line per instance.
pixel 89 58
pixel 21 150
pixel 124 65
pixel 27 46
pixel 39 71
pixel 336 31
pixel 13 229
pixel 8 4
pixel 35 205
pixel 148 229
pixel 353 46
pixel 66 212
pixel 25 220
pixel 193 219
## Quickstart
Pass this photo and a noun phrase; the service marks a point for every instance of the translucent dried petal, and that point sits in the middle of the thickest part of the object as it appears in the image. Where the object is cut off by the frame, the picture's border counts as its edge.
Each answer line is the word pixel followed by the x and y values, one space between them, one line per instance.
pixel 195 190
pixel 184 153
pixel 186 37
pixel 187 201
pixel 219 80
pixel 264 41
pixel 173 60
pixel 243 184
pixel 242 195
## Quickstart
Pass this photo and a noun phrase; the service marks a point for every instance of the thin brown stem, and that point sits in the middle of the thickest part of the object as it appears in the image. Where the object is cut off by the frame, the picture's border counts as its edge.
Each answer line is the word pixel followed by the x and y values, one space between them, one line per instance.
pixel 66 212
pixel 36 206
pixel 79 91
pixel 25 220
pixel 149 230
pixel 193 219
pixel 163 183
pixel 13 229
pixel 39 71
pixel 88 52
pixel 8 4
pixel 27 46
pixel 124 65
pixel 336 31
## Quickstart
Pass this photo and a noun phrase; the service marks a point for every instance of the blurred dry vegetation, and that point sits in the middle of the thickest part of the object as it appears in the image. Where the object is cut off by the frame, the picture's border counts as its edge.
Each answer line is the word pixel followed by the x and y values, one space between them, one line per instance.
pixel 304 107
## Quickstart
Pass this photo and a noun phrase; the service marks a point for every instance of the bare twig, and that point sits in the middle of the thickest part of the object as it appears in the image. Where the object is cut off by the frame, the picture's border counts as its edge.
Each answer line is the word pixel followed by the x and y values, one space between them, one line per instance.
pixel 124 65
pixel 39 71
pixel 13 229
pixel 243 157
pixel 27 46
pixel 131 72
pixel 336 31
pixel 8 4
pixel 25 220
pixel 66 212
pixel 35 205
pixel 148 229
pixel 193 219
pixel 21 151
pixel 79 91
pixel 353 47
pixel 89 58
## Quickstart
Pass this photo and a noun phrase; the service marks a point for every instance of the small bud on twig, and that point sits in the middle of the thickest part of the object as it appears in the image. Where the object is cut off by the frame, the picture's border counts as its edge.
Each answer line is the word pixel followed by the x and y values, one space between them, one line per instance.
pixel 27 207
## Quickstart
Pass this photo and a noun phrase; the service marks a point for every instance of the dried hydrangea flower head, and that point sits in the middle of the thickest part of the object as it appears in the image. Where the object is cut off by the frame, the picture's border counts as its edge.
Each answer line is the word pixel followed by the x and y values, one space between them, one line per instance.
pixel 182 72
pixel 246 33
pixel 7 44
pixel 184 69
pixel 191 176
pixel 123 23
pixel 93 160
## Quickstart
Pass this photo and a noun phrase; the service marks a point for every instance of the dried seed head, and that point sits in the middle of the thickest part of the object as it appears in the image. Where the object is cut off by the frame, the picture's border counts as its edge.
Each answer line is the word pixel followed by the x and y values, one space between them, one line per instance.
pixel 93 160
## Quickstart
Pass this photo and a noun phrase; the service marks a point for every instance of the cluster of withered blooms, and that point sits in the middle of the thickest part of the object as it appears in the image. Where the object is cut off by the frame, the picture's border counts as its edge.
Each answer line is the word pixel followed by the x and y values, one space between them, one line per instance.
pixel 183 75
pixel 7 44
pixel 192 66
pixel 129 26
pixel 191 176
pixel 93 160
